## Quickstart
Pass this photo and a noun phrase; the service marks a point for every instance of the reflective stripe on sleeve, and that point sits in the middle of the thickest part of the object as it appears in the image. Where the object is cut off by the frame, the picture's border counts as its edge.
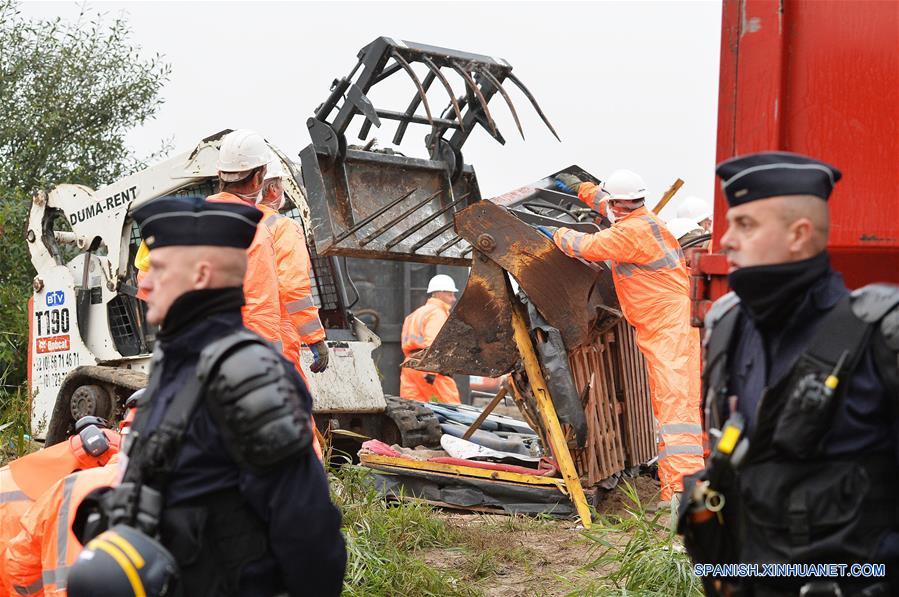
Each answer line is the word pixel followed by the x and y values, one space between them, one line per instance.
pixel 13 496
pixel 299 305
pixel 672 450
pixel 682 428
pixel 310 327
pixel 670 258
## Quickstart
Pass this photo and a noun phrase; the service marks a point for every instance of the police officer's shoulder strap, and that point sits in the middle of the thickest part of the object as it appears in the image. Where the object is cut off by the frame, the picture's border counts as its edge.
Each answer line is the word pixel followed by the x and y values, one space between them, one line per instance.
pixel 720 322
pixel 156 454
pixel 846 331
pixel 880 303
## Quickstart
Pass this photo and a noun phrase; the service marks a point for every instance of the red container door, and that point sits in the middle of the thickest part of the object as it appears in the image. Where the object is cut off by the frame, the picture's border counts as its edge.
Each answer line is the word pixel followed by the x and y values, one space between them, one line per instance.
pixel 821 77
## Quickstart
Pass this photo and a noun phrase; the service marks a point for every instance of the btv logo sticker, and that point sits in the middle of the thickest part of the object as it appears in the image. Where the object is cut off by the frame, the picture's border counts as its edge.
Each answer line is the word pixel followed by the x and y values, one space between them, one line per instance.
pixel 55 298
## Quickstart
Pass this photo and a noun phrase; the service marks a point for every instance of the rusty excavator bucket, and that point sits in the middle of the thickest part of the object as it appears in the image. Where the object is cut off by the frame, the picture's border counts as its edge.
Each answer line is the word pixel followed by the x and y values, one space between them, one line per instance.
pixel 381 204
pixel 575 298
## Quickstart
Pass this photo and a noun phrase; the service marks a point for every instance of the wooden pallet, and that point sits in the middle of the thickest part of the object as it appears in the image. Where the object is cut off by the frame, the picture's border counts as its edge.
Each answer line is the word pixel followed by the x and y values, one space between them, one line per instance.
pixel 620 424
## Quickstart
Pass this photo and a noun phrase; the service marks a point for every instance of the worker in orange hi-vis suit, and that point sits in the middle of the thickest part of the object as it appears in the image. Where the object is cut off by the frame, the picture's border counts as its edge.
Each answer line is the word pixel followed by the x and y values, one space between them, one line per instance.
pixel 241 164
pixel 39 556
pixel 652 284
pixel 25 479
pixel 419 330
pixel 299 314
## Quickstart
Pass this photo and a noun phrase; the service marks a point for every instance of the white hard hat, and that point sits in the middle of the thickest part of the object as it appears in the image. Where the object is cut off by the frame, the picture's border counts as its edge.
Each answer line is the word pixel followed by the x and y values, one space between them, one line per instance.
pixel 624 185
pixel 695 209
pixel 681 226
pixel 274 169
pixel 241 151
pixel 442 283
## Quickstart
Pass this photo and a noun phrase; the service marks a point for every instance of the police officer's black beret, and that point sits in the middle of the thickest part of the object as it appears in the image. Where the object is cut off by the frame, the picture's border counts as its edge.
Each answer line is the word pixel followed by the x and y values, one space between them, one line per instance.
pixel 773 174
pixel 177 221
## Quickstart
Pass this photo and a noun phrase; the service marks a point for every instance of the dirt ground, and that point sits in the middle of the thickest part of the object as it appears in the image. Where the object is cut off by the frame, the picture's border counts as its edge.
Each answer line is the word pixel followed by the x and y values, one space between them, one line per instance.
pixel 515 556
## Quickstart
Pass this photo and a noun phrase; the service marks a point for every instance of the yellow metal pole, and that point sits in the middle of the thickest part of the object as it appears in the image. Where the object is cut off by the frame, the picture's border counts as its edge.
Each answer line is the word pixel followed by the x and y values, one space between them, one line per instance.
pixel 548 413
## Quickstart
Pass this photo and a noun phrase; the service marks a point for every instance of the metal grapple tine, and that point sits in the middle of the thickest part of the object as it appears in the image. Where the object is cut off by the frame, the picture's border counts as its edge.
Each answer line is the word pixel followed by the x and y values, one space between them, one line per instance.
pixel 410 111
pixel 534 103
pixel 485 72
pixel 421 90
pixel 477 92
pixel 446 85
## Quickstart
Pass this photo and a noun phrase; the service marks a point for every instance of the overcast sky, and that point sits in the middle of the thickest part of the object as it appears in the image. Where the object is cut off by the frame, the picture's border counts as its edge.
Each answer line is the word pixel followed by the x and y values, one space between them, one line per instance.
pixel 627 84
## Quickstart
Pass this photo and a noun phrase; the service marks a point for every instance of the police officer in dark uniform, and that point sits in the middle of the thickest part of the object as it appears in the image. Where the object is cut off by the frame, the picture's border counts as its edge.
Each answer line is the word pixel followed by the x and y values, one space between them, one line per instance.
pixel 801 387
pixel 220 474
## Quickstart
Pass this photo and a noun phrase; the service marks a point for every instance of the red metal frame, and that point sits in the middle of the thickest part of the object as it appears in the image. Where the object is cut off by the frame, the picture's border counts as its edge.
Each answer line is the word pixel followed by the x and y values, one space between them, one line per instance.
pixel 819 77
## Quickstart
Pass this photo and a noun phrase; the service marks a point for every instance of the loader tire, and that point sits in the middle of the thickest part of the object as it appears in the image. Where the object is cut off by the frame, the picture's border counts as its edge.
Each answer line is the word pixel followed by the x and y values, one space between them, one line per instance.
pixel 417 424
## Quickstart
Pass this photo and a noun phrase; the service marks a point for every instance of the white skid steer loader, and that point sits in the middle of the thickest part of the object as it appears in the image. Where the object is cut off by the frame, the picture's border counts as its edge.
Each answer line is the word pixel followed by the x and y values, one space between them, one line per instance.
pixel 90 343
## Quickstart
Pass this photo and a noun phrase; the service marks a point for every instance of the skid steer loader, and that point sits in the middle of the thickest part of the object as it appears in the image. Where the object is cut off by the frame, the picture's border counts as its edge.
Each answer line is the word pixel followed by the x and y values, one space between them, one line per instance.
pixel 89 341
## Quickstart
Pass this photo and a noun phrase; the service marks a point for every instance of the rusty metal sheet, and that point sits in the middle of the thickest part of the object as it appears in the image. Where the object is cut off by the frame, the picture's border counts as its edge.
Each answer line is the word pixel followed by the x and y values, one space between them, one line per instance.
pixel 477 337
pixel 568 293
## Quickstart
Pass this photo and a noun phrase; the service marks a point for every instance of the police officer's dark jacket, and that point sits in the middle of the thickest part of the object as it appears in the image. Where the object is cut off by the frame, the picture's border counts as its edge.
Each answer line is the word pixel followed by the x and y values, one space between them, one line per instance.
pixel 806 374
pixel 810 490
pixel 235 524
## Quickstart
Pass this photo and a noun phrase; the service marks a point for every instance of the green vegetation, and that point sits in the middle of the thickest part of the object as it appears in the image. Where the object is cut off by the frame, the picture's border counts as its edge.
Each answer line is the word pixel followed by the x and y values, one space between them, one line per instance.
pixel 385 541
pixel 69 93
pixel 639 553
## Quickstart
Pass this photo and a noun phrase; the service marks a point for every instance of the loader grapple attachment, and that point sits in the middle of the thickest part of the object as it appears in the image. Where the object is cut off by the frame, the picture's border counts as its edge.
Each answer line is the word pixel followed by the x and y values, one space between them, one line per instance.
pixel 381 204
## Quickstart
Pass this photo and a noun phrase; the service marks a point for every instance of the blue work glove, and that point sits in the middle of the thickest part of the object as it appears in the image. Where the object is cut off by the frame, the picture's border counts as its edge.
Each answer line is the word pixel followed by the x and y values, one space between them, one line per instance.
pixel 320 354
pixel 547 231
pixel 567 183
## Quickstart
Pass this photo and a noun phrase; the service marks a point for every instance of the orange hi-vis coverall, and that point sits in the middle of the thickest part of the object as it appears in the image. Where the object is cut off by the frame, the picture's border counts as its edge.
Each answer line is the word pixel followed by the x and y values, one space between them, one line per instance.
pixel 652 284
pixel 299 315
pixel 419 330
pixel 261 313
pixel 39 557
pixel 25 479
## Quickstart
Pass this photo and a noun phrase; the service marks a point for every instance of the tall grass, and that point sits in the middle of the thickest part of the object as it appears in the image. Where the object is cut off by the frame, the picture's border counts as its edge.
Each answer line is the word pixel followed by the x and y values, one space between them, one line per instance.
pixel 640 554
pixel 385 539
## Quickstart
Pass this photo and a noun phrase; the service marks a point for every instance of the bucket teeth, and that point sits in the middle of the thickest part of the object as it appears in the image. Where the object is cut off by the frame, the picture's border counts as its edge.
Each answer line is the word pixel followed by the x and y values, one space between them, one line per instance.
pixel 449 89
pixel 484 72
pixel 475 91
pixel 421 90
pixel 534 103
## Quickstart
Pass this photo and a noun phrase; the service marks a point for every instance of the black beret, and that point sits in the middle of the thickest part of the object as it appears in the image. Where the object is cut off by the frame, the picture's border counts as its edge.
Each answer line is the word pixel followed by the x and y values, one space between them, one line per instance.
pixel 179 221
pixel 773 174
